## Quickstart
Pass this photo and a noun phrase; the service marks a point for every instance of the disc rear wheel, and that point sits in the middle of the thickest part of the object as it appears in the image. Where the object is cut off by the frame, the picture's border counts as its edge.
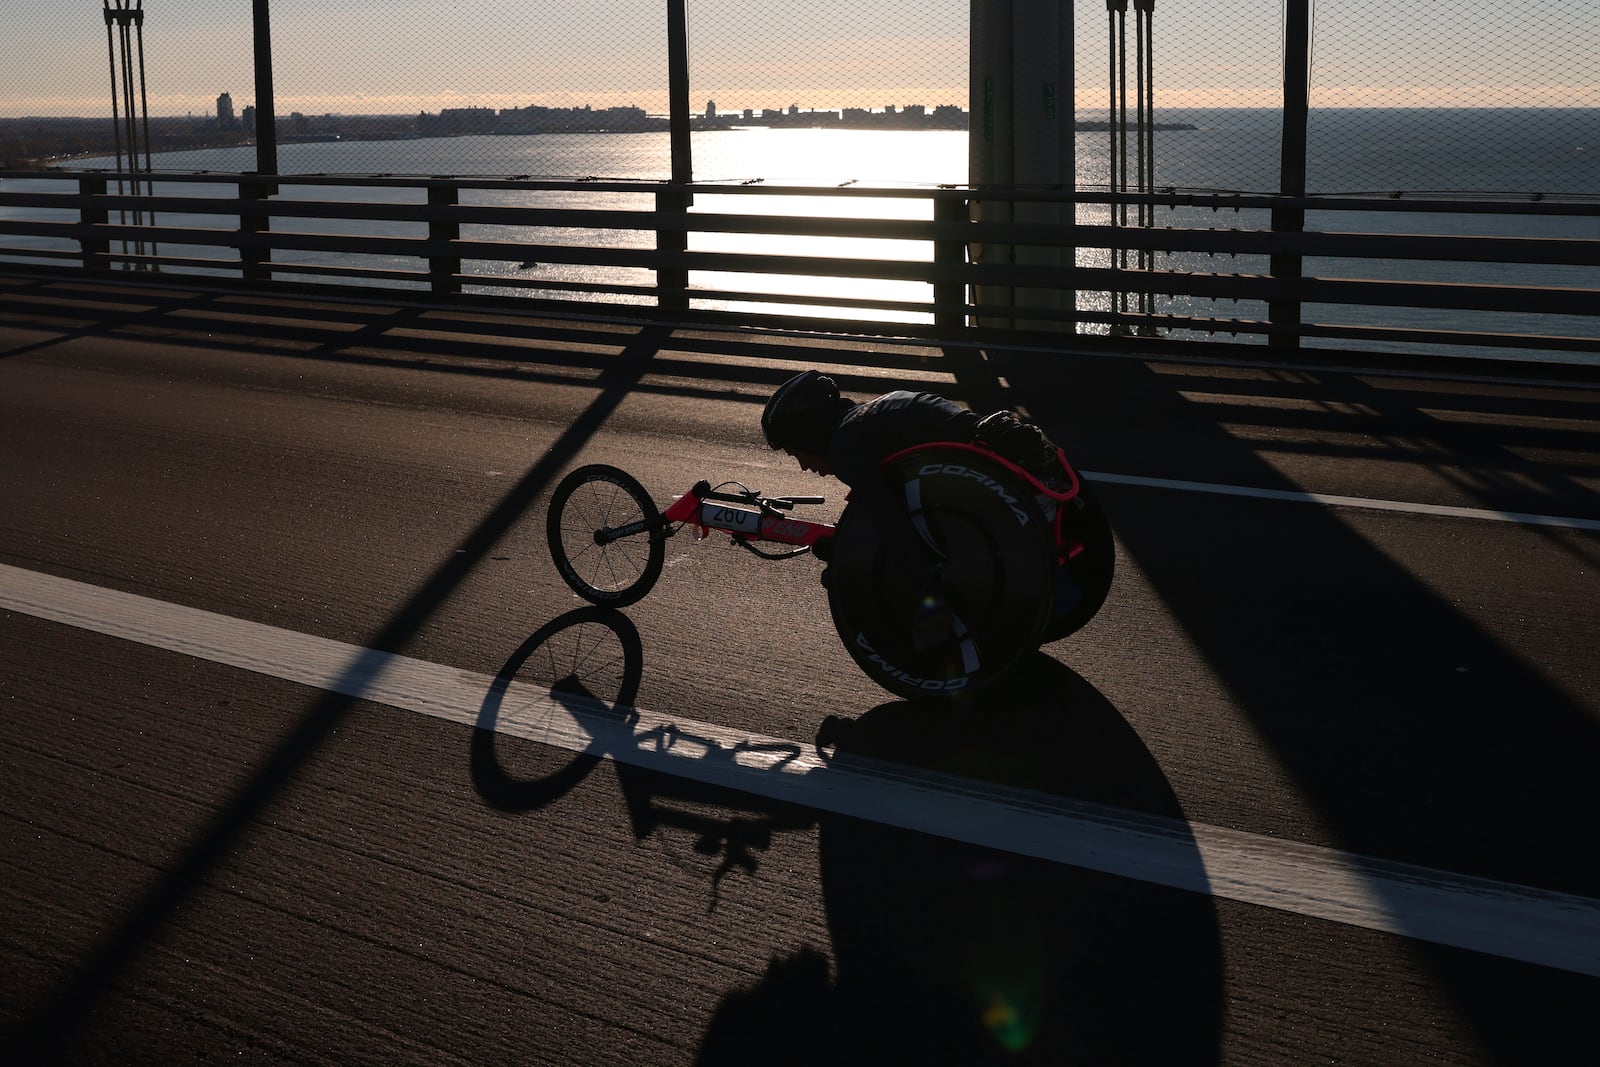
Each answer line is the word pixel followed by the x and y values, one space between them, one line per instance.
pixel 996 564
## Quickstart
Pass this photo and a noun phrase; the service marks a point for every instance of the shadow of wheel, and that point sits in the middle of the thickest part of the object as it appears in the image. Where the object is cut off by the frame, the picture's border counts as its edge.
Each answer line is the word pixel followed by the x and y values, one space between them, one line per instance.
pixel 586 663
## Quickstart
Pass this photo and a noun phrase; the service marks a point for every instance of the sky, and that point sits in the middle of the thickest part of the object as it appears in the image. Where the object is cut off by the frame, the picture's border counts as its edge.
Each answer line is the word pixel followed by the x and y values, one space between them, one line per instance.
pixel 405 56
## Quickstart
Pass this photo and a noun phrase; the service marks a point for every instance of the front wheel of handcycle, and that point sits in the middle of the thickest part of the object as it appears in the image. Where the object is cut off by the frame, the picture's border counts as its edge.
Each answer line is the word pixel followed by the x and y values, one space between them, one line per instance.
pixel 995 554
pixel 606 535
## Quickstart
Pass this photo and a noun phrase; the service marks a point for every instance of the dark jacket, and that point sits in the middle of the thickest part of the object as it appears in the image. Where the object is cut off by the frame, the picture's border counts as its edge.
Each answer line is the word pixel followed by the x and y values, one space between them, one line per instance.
pixel 871 432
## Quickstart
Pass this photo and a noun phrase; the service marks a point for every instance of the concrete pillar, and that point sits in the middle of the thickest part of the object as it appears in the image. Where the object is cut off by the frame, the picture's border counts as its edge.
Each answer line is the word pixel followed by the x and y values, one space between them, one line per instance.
pixel 1022 137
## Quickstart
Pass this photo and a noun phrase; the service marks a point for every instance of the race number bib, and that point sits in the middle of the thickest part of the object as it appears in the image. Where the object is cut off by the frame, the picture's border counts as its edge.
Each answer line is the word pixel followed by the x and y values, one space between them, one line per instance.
pixel 732 518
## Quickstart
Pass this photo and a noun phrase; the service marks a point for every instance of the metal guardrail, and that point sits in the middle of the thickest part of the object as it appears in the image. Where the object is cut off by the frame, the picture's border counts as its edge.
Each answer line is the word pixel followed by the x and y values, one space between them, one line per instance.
pixel 994 262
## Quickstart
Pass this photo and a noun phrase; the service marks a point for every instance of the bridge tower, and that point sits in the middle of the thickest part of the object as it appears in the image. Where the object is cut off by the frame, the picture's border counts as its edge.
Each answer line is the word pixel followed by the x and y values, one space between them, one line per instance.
pixel 1021 137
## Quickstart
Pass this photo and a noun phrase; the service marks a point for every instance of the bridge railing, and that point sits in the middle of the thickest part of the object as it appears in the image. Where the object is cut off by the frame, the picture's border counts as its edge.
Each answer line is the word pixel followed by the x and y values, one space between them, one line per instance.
pixel 1407 274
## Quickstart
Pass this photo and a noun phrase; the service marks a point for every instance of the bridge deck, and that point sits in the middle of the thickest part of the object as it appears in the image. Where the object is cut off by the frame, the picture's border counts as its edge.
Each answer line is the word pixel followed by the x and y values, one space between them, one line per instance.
pixel 262 561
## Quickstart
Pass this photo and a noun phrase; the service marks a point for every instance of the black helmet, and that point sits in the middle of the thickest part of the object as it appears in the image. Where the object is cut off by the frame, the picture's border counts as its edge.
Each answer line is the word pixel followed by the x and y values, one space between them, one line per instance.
pixel 803 412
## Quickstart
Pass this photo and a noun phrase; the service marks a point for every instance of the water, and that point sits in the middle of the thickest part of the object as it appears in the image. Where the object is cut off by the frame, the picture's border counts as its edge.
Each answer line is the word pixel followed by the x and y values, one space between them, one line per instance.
pixel 1479 152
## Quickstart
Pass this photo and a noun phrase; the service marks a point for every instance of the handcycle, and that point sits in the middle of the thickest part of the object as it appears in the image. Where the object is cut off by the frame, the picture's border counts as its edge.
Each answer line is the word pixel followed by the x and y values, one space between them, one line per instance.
pixel 1022 563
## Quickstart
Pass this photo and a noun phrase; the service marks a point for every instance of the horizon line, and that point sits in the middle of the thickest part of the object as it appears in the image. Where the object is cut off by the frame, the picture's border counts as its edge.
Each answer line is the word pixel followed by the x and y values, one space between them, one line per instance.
pixel 901 109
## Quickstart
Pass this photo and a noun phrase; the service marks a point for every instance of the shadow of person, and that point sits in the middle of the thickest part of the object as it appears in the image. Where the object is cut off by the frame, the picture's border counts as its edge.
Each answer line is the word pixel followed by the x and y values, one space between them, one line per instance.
pixel 953 953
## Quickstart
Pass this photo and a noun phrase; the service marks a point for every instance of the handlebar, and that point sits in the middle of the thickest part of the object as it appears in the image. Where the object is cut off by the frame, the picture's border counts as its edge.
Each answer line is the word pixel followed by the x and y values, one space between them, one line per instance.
pixel 704 491
pixel 785 503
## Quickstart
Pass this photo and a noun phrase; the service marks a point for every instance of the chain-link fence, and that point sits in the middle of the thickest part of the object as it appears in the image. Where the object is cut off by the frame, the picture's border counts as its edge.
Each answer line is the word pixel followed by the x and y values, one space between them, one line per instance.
pixel 1448 101
pixel 1465 96
pixel 1214 79
pixel 495 87
pixel 1460 95
pixel 839 82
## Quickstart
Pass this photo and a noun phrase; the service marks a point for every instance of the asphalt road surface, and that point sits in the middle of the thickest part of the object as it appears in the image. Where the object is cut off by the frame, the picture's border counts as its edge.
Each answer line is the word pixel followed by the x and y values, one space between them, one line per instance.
pixel 310 757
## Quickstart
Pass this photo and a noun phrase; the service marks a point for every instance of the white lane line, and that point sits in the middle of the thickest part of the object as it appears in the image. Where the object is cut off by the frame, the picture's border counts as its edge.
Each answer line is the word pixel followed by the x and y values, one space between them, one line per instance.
pixel 1521 518
pixel 1516 922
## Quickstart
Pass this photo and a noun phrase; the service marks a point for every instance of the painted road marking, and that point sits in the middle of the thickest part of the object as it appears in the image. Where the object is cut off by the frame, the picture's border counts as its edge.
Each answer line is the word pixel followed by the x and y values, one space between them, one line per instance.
pixel 1515 922
pixel 1521 518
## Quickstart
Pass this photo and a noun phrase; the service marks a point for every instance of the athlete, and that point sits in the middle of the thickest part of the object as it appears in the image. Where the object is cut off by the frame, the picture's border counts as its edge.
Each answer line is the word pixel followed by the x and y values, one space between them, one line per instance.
pixel 833 435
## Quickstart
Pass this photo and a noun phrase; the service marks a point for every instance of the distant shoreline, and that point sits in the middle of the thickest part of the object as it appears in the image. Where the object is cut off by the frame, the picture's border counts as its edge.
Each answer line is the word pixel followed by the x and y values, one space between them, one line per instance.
pixel 401 135
pixel 48 142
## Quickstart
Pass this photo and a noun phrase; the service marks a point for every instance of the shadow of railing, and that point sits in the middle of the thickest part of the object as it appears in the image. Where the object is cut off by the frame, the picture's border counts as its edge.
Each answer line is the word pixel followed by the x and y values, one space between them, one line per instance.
pixel 49 1031
pixel 1414 731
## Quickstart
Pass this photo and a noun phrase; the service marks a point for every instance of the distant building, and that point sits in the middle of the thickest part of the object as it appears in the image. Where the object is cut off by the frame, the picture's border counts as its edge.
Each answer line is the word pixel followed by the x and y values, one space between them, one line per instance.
pixel 248 117
pixel 711 109
pixel 453 122
pixel 457 121
pixel 225 110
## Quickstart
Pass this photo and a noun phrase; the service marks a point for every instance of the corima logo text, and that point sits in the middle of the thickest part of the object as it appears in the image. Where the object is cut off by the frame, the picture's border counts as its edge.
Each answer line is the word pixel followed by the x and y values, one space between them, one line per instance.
pixel 982 479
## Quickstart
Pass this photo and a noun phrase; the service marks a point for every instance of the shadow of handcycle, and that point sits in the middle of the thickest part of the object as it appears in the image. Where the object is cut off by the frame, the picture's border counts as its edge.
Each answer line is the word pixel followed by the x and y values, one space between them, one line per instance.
pixel 943 948
pixel 571 686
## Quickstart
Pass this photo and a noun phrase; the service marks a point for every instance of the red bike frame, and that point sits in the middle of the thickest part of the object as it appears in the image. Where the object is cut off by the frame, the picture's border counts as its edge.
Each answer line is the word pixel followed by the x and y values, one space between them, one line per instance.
pixel 749 517
pixel 746 517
